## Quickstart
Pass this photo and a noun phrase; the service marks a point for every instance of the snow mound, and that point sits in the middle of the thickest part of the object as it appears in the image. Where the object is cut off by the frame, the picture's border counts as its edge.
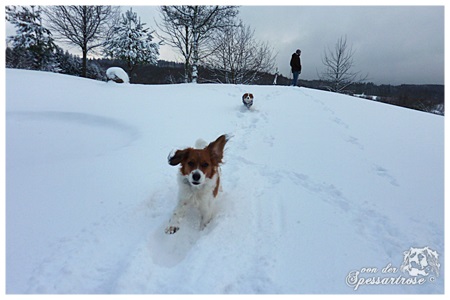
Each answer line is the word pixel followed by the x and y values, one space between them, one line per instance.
pixel 322 193
pixel 117 74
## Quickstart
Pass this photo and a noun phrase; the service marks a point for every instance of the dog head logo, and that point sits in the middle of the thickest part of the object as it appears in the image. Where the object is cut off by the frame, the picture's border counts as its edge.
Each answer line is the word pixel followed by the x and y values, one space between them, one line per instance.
pixel 420 261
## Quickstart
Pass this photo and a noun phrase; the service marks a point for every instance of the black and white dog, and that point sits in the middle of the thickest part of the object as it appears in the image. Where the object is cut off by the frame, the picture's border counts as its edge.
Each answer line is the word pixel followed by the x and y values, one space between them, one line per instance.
pixel 247 99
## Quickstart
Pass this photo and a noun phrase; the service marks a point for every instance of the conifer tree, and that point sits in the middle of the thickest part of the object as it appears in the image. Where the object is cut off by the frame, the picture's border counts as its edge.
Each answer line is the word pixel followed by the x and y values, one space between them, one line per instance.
pixel 32 41
pixel 132 42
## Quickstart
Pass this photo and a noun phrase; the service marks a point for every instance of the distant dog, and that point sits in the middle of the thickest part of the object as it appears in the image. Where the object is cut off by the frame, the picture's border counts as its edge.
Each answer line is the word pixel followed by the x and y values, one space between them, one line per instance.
pixel 247 99
pixel 198 179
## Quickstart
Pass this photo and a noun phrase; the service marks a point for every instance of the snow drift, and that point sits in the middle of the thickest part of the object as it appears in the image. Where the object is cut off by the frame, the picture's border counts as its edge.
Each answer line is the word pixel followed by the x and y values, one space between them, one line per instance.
pixel 322 193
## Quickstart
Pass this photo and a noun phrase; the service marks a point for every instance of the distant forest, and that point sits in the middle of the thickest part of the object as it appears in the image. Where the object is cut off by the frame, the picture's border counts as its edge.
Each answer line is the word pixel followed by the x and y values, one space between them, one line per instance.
pixel 428 98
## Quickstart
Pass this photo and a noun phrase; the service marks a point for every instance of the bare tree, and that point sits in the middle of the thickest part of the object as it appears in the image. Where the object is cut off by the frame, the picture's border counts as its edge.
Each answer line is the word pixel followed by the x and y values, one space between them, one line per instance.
pixel 239 58
pixel 190 28
pixel 84 26
pixel 178 33
pixel 338 67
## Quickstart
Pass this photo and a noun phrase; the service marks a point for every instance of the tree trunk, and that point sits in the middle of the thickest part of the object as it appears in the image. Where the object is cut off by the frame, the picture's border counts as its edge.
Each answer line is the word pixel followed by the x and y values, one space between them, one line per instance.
pixel 84 64
pixel 187 57
pixel 186 71
pixel 195 46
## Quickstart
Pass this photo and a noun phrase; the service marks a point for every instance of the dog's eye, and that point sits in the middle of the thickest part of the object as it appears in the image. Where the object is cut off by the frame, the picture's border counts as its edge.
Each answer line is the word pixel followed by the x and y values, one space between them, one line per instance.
pixel 205 165
pixel 191 164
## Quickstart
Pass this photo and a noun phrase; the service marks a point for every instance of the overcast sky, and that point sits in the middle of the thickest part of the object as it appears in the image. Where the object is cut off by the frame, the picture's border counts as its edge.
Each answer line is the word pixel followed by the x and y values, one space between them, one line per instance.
pixel 392 44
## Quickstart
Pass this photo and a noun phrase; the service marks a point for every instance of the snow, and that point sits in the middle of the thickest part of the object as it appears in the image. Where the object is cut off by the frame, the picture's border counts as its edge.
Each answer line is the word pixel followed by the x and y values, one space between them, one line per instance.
pixel 115 73
pixel 317 187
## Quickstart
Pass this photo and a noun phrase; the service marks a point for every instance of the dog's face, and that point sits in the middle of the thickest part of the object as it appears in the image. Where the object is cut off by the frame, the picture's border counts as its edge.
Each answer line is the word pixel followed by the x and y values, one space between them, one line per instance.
pixel 198 165
pixel 247 97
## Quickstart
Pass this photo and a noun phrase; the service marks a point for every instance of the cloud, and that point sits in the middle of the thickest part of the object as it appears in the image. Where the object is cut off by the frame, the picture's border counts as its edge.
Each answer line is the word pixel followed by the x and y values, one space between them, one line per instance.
pixel 401 44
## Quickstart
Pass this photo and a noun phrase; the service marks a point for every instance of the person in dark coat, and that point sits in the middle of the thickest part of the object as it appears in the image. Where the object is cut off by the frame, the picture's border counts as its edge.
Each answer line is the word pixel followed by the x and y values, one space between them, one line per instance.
pixel 296 66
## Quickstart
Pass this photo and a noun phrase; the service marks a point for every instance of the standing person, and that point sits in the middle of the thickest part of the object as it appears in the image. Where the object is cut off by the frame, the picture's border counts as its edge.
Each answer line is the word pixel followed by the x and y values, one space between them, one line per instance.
pixel 296 66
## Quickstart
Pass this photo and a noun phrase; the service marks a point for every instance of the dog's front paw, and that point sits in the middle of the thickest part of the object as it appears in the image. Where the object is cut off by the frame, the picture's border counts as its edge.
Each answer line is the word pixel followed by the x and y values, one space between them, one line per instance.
pixel 171 229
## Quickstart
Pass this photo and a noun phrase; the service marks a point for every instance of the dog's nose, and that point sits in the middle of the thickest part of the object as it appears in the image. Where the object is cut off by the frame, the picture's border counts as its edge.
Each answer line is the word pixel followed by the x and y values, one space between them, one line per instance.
pixel 196 176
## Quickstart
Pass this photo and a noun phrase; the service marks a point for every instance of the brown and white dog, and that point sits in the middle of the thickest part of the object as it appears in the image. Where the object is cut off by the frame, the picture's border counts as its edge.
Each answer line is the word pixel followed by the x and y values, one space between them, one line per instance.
pixel 198 179
pixel 247 99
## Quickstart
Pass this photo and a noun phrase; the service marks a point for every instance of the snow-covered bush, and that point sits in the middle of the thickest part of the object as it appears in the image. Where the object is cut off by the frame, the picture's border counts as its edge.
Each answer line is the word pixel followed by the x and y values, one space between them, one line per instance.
pixel 117 74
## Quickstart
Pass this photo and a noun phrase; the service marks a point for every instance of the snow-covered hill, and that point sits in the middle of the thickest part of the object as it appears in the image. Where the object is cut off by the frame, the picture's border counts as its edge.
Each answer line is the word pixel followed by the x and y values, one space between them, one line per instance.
pixel 317 188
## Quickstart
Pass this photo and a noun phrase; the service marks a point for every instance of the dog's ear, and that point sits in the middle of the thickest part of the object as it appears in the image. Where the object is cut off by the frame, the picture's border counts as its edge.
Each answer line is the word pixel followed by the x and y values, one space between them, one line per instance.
pixel 216 148
pixel 175 159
